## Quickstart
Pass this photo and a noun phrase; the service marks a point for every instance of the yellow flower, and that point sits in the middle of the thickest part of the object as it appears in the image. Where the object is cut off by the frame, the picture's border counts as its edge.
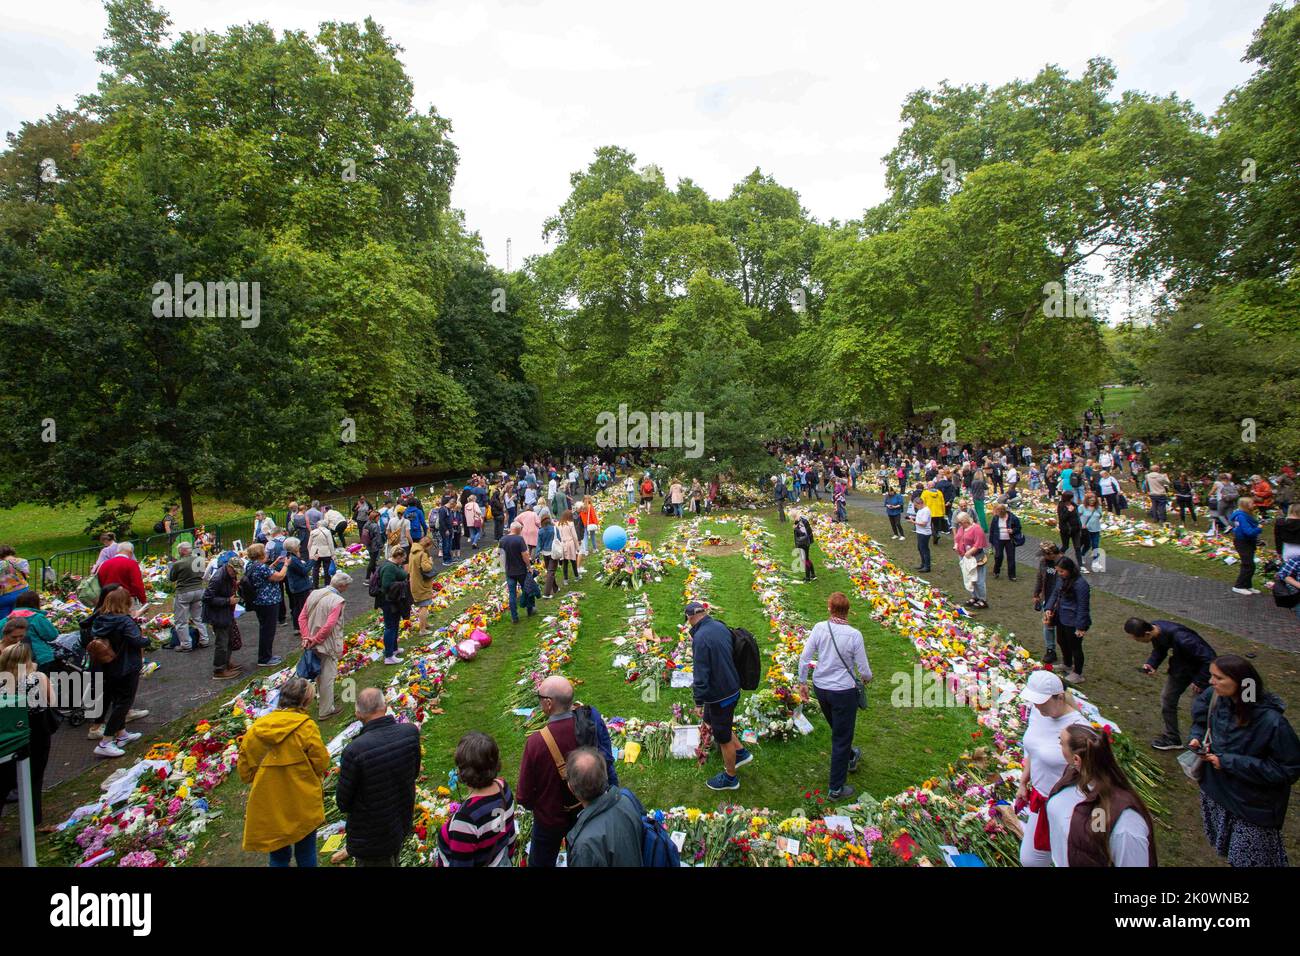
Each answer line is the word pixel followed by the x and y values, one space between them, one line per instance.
pixel 183 792
pixel 189 763
pixel 444 792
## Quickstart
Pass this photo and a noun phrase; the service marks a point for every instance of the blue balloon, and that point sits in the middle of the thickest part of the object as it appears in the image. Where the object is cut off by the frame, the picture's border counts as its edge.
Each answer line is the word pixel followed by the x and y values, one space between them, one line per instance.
pixel 615 538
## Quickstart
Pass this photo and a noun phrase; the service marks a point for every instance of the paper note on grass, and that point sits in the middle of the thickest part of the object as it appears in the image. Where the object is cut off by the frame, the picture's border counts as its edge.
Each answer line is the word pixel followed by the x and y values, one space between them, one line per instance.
pixel 685 741
pixel 681 678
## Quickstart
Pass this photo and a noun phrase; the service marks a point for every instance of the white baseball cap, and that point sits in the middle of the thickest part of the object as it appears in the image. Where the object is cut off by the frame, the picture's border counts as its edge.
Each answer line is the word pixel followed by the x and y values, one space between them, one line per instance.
pixel 1041 687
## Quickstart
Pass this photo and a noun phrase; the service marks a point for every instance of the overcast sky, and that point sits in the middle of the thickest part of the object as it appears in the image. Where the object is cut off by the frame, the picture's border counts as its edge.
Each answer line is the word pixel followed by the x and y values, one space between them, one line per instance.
pixel 809 92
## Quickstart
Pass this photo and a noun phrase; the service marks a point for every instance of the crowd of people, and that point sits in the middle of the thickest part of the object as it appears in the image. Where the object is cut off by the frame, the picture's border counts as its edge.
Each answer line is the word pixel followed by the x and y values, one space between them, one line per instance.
pixel 542 520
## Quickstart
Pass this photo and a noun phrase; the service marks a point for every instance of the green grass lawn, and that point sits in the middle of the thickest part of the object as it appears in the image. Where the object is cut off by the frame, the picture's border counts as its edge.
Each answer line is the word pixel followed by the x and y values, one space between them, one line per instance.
pixel 1119 399
pixel 37 531
pixel 900 746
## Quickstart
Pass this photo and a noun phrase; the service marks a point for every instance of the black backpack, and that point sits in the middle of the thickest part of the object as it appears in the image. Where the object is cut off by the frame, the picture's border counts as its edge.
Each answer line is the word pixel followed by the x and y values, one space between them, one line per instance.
pixel 749 662
pixel 247 593
pixel 159 527
pixel 372 584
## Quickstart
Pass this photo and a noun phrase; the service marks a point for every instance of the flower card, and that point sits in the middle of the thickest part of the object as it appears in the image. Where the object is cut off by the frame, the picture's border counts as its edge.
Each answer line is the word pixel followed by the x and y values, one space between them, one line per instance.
pixel 802 724
pixel 682 677
pixel 841 823
pixel 685 741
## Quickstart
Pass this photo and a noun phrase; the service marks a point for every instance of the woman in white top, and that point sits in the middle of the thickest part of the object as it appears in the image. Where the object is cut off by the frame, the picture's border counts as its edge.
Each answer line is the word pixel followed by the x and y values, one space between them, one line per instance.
pixel 841 662
pixel 1051 711
pixel 1093 813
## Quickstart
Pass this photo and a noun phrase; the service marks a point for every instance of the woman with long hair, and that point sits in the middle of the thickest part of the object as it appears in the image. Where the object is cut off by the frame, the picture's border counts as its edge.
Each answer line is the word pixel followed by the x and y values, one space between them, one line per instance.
pixel 568 533
pixel 1068 609
pixel 1251 758
pixel 1094 816
pixel 18 671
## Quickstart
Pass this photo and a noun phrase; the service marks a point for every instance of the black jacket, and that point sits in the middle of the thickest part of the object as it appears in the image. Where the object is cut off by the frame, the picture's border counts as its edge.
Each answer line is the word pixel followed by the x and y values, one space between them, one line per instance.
pixel 995 532
pixel 376 788
pixel 217 609
pixel 1190 656
pixel 123 634
pixel 1071 602
pixel 1259 762
pixel 1286 531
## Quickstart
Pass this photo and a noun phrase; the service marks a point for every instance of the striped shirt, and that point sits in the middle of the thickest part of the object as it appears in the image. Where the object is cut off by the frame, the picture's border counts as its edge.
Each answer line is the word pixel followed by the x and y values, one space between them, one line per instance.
pixel 481 832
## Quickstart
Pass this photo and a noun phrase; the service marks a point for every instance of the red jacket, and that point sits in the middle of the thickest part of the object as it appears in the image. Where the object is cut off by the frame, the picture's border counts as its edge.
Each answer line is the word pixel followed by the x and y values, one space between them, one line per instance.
pixel 540 787
pixel 124 570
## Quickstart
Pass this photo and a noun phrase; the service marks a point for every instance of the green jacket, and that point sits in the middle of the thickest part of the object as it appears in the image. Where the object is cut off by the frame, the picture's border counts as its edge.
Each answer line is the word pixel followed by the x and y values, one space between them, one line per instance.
pixel 41 632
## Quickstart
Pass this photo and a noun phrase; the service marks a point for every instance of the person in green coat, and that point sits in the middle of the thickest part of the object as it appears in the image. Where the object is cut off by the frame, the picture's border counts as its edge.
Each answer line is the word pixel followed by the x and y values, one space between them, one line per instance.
pixel 40 631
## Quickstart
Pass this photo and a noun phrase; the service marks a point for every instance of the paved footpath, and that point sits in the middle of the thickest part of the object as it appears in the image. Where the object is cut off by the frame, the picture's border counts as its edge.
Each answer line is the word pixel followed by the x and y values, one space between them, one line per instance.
pixel 183 682
pixel 1204 600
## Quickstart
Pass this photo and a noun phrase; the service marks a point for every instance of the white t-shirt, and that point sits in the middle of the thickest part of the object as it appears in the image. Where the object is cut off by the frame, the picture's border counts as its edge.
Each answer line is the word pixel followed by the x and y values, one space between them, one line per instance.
pixel 1042 745
pixel 923 520
pixel 1130 837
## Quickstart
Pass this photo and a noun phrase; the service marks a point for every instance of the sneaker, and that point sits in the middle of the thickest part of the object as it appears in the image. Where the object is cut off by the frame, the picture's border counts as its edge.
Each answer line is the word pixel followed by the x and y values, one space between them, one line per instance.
pixel 107 749
pixel 229 673
pixel 182 649
pixel 94 731
pixel 393 659
pixel 723 782
pixel 126 737
pixel 1255 591
pixel 1069 676
pixel 273 662
pixel 843 793
pixel 1245 591
pixel 853 760
pixel 743 757
pixel 1167 742
pixel 205 643
pixel 1050 656
pixel 1075 678
pixel 1085 571
pixel 135 715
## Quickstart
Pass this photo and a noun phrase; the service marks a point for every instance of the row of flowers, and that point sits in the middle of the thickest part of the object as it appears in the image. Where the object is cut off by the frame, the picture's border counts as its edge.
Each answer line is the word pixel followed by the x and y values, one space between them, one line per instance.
pixel 1125 531
pixel 554 652
pixel 152 811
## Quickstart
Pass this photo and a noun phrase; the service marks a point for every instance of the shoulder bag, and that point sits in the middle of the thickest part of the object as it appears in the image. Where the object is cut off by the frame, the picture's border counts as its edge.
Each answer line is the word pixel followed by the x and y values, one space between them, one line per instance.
pixel 858 684
pixel 1193 763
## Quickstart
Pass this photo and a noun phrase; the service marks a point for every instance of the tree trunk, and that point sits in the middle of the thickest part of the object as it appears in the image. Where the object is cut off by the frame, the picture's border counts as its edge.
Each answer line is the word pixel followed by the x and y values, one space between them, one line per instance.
pixel 187 502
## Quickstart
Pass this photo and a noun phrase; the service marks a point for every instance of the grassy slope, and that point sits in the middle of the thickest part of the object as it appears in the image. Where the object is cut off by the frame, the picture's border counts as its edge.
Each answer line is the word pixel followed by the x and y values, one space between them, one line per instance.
pixel 1115 682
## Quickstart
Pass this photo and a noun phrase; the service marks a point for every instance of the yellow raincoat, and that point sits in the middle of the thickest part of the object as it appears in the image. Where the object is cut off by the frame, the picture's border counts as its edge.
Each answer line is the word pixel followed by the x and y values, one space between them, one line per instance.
pixel 284 758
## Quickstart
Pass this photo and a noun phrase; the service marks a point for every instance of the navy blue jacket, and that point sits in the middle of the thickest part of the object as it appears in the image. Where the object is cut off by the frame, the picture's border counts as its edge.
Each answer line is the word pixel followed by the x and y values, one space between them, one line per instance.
pixel 1070 602
pixel 123 635
pixel 714 665
pixel 1189 654
pixel 1259 762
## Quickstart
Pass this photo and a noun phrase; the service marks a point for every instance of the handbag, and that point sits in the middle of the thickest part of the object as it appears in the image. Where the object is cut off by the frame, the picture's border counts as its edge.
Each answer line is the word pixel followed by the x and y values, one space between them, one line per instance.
pixel 858 684
pixel 557 547
pixel 1193 763
pixel 1285 595
pixel 309 665
pixel 102 653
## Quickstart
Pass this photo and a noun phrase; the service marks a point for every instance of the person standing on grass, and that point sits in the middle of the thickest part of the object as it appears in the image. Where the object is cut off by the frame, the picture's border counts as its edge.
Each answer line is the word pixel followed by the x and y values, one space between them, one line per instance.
pixel 803 540
pixel 543 788
pixel 894 511
pixel 419 571
pixel 972 549
pixel 841 658
pixel 1068 611
pixel 283 757
pixel 978 492
pixel 609 829
pixel 1245 538
pixel 321 625
pixel 1051 711
pixel 922 524
pixel 518 557
pixel 376 789
pixel 1094 816
pixel 482 830
pixel 1004 533
pixel 1251 761
pixel 716 689
pixel 395 593
pixel 1189 666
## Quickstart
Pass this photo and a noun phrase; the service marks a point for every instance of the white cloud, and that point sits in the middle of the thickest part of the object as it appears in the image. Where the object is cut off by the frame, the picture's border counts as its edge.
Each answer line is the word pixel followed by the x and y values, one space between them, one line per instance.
pixel 809 93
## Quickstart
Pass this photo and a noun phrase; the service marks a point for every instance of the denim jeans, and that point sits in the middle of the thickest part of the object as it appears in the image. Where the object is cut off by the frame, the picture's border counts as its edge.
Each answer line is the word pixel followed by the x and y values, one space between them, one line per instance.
pixel 446 548
pixel 545 845
pixel 515 585
pixel 1159 505
pixel 593 539
pixel 392 618
pixel 303 852
pixel 923 546
pixel 1169 697
pixel 840 708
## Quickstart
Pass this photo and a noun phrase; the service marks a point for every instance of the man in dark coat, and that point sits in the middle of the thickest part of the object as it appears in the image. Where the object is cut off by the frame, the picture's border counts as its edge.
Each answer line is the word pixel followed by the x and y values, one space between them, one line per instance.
pixel 1189 666
pixel 376 787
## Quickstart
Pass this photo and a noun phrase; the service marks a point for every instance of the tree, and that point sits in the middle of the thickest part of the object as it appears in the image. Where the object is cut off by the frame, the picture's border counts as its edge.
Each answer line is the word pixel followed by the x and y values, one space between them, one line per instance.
pixel 1220 392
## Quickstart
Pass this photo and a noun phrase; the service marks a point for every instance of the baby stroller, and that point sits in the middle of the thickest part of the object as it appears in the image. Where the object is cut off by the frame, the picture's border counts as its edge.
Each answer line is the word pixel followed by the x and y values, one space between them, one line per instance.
pixel 70 659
